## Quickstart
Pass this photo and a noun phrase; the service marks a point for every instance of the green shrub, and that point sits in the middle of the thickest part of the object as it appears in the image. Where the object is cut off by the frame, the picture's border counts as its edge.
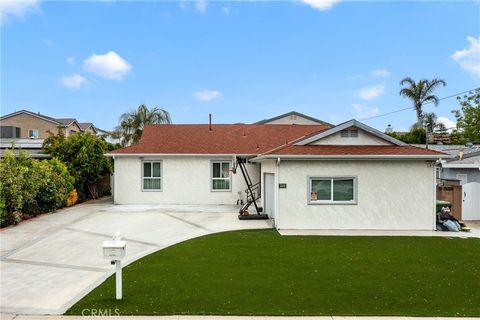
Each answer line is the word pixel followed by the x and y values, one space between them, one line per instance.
pixel 56 186
pixel 83 153
pixel 31 186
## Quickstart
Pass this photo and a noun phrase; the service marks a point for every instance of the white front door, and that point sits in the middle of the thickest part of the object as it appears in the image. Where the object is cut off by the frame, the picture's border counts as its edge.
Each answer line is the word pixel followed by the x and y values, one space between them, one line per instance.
pixel 269 194
pixel 471 201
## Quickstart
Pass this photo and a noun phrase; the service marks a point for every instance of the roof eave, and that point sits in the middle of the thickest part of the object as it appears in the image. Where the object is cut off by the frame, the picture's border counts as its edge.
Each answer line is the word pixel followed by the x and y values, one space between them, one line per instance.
pixel 348 157
pixel 179 155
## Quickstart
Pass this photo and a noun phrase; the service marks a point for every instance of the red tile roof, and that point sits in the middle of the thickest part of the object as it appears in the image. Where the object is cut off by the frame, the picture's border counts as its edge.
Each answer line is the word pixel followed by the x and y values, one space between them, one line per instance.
pixel 251 139
pixel 334 150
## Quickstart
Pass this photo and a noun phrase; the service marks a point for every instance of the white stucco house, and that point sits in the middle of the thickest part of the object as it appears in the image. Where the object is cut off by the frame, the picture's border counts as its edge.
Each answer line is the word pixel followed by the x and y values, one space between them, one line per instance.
pixel 305 176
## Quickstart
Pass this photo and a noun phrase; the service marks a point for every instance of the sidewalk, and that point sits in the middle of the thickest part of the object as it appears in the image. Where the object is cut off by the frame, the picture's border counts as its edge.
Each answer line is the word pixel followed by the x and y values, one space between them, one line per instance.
pixel 13 317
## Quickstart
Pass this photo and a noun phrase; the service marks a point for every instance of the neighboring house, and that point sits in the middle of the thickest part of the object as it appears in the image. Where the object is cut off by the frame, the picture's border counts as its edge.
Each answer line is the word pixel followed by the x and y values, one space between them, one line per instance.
pixel 88 127
pixel 463 169
pixel 24 124
pixel 109 136
pixel 293 117
pixel 27 130
pixel 350 176
pixel 464 165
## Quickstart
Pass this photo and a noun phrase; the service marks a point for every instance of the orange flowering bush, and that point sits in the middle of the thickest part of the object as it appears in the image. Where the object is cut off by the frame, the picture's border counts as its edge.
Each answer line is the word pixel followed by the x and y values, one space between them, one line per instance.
pixel 72 198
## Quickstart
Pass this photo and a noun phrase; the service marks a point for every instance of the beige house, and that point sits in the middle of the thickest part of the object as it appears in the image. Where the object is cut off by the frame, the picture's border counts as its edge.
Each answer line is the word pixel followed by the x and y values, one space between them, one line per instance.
pixel 24 124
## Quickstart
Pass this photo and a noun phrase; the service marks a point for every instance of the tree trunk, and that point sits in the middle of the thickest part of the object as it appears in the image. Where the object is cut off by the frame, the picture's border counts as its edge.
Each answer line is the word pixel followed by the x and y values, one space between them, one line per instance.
pixel 418 109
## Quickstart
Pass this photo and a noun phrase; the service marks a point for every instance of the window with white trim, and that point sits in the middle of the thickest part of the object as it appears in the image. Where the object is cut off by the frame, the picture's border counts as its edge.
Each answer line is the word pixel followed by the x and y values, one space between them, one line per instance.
pixel 33 133
pixel 336 190
pixel 152 175
pixel 221 175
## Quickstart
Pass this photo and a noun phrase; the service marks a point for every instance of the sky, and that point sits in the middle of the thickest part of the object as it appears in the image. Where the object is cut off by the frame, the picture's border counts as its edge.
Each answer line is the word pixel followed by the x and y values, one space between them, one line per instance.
pixel 242 61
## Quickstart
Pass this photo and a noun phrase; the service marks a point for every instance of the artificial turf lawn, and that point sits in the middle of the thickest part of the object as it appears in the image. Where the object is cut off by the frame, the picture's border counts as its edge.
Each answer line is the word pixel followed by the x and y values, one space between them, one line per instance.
pixel 259 272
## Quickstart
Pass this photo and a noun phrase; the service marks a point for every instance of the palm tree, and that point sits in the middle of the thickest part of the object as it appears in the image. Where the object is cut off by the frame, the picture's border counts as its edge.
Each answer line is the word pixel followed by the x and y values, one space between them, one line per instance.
pixel 430 121
pixel 420 93
pixel 131 124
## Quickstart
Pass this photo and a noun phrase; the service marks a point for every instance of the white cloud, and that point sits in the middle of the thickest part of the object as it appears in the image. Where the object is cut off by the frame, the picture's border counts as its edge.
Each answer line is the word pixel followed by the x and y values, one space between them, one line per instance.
pixel 363 111
pixel 226 10
pixel 201 6
pixel 469 58
pixel 75 81
pixel 207 95
pixel 109 65
pixel 17 8
pixel 370 93
pixel 71 60
pixel 321 5
pixel 382 73
pixel 449 124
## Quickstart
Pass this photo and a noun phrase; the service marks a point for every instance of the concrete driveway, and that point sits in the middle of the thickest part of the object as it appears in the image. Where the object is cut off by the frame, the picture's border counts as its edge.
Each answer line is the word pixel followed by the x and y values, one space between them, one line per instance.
pixel 51 262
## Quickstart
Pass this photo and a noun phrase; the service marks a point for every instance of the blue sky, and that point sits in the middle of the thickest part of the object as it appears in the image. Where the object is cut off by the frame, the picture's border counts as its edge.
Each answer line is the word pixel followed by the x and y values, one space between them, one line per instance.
pixel 241 61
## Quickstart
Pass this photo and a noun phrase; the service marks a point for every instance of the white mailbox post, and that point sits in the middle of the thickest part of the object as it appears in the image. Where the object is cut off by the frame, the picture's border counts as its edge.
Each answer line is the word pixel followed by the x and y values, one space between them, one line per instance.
pixel 114 250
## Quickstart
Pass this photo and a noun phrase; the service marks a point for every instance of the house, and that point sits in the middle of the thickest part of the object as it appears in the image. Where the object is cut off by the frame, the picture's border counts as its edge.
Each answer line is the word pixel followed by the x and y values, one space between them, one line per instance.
pixel 458 179
pixel 25 124
pixel 88 127
pixel 27 130
pixel 317 176
pixel 465 167
pixel 293 117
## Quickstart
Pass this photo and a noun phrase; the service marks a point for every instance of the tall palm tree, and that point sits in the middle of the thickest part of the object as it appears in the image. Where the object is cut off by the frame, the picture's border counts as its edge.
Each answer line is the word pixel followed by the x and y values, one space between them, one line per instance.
pixel 420 93
pixel 131 124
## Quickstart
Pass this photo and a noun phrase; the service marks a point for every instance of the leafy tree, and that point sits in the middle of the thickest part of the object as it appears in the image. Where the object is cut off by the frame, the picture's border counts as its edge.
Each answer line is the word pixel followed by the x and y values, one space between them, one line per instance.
pixel 414 136
pixel 441 128
pixel 132 123
pixel 83 153
pixel 430 121
pixel 468 117
pixel 420 93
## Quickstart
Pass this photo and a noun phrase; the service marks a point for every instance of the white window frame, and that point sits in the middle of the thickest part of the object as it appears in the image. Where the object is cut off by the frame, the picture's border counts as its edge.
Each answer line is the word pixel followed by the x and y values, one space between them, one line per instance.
pixel 331 201
pixel 160 178
pixel 33 133
pixel 229 175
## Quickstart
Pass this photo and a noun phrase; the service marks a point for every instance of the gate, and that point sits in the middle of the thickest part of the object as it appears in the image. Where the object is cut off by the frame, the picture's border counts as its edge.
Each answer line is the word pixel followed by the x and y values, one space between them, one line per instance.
pixel 471 201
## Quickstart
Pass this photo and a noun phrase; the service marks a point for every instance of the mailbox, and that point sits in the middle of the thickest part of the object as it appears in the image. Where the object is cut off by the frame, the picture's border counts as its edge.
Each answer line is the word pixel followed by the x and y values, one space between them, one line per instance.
pixel 114 249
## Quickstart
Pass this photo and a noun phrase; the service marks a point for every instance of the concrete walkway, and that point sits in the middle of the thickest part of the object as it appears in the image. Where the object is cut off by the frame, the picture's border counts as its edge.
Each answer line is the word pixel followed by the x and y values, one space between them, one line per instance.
pixel 474 233
pixel 50 262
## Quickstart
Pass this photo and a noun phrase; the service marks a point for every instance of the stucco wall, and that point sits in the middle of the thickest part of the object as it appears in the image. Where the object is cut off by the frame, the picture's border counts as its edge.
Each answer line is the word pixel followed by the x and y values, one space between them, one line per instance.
pixel 292 119
pixel 364 138
pixel 473 175
pixel 26 122
pixel 392 195
pixel 185 180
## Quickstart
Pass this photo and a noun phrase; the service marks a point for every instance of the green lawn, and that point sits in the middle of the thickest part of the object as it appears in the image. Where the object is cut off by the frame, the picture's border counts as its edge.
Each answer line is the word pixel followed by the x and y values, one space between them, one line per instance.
pixel 262 273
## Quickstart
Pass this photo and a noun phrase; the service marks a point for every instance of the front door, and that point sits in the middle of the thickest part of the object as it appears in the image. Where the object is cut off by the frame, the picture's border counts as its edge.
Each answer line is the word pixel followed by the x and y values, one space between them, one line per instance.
pixel 269 194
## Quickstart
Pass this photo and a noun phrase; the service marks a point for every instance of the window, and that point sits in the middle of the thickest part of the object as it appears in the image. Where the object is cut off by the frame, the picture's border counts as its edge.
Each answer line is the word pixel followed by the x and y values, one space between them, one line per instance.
pixel 221 177
pixel 33 133
pixel 349 133
pixel 339 190
pixel 152 176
